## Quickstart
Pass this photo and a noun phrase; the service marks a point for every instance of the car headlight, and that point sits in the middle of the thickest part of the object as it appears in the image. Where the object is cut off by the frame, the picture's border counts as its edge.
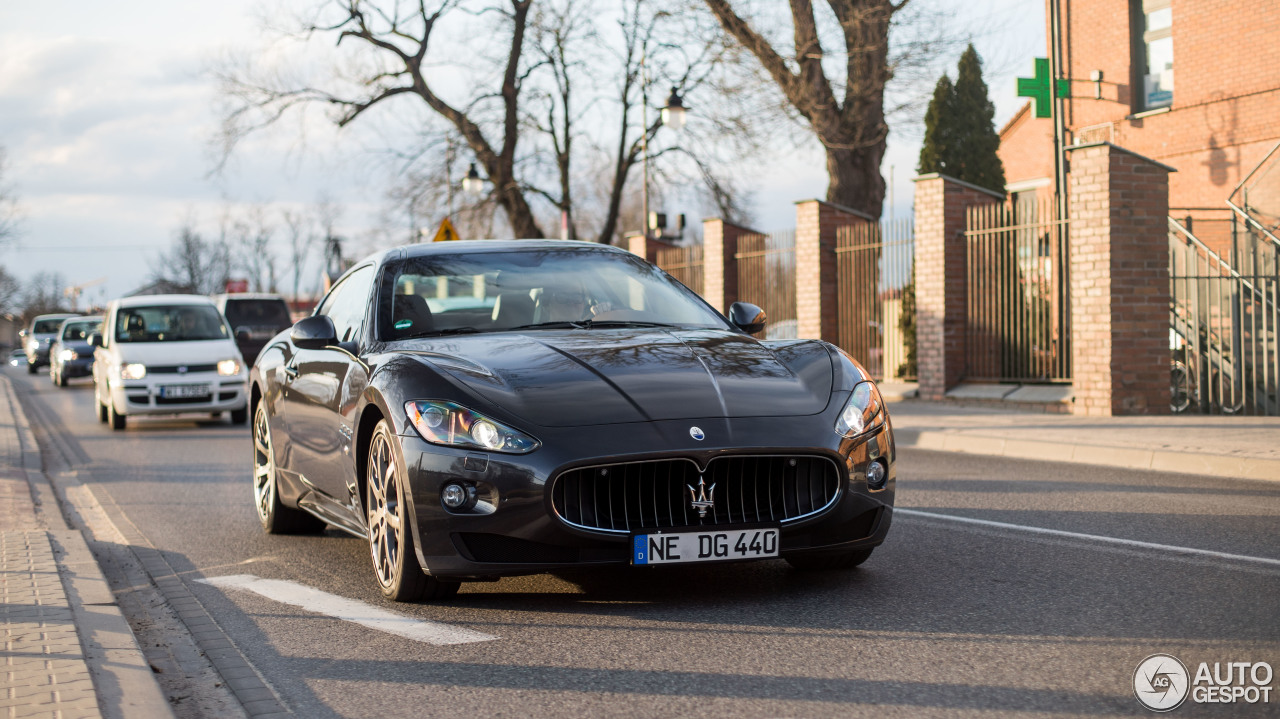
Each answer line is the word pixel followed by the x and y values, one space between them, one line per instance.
pixel 133 371
pixel 68 355
pixel 453 425
pixel 862 412
pixel 228 367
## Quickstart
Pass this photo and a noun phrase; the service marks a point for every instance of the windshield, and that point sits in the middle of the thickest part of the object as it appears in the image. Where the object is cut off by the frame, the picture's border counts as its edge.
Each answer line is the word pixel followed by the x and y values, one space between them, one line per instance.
pixel 493 292
pixel 169 323
pixel 258 313
pixel 46 327
pixel 80 330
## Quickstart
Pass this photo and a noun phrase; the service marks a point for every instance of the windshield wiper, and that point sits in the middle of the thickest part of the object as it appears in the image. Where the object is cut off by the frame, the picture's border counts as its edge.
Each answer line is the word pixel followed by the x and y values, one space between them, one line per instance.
pixel 624 323
pixel 548 325
pixel 441 332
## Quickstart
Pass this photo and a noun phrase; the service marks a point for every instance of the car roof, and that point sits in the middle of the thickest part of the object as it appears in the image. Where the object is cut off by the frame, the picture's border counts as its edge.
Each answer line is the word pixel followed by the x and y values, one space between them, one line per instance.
pixel 148 300
pixel 427 249
pixel 54 316
pixel 248 296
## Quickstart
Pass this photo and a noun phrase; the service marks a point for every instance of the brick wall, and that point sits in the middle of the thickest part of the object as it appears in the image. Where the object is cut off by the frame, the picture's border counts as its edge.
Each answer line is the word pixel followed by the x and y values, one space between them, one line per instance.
pixel 1119 282
pixel 817 290
pixel 940 280
pixel 720 268
pixel 1226 95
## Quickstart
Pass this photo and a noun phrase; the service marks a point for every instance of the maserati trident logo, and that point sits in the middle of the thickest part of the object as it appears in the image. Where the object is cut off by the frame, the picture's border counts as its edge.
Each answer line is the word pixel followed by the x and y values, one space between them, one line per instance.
pixel 702 498
pixel 696 433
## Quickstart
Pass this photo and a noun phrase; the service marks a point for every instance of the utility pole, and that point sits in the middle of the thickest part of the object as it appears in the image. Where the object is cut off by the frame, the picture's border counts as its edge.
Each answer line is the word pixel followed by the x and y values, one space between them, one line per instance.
pixel 1056 100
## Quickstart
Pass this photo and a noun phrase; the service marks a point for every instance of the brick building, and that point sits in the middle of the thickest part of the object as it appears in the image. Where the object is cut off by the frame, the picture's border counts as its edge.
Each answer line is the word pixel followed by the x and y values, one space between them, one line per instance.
pixel 1213 126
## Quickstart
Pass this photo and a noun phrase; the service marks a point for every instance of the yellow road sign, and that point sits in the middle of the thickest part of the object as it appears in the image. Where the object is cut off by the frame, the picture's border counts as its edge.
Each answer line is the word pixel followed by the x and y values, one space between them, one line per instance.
pixel 446 233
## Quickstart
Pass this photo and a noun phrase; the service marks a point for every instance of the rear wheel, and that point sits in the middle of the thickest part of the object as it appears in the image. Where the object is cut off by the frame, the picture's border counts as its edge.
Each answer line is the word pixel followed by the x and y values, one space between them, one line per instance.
pixel 114 418
pixel 276 518
pixel 822 562
pixel 395 564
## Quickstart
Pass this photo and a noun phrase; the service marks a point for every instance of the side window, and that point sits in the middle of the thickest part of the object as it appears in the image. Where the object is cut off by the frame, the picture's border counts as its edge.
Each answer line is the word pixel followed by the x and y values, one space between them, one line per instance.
pixel 347 303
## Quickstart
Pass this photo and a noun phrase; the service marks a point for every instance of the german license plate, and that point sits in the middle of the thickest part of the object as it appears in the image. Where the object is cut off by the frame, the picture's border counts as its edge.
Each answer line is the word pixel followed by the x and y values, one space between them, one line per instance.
pixel 712 546
pixel 184 391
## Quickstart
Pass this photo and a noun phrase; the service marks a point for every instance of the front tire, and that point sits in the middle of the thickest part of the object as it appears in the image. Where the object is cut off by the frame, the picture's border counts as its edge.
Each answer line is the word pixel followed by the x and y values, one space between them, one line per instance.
pixel 239 416
pixel 102 408
pixel 114 418
pixel 395 563
pixel 31 368
pixel 60 380
pixel 824 562
pixel 276 518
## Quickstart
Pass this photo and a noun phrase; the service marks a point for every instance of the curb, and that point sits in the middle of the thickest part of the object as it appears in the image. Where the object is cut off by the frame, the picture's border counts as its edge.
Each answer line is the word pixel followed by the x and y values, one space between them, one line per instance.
pixel 122 678
pixel 1160 460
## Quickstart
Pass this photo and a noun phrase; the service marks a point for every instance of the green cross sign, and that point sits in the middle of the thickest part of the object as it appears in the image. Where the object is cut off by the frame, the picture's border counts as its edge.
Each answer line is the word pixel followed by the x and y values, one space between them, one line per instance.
pixel 1038 88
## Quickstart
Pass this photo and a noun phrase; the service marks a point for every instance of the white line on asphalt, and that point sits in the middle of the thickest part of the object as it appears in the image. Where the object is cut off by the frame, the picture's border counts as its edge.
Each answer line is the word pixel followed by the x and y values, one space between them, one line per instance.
pixel 350 610
pixel 1091 537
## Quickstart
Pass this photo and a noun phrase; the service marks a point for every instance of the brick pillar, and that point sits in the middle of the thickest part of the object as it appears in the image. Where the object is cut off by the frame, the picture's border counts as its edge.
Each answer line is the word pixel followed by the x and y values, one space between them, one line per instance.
pixel 940 279
pixel 638 244
pixel 1119 239
pixel 817 294
pixel 719 266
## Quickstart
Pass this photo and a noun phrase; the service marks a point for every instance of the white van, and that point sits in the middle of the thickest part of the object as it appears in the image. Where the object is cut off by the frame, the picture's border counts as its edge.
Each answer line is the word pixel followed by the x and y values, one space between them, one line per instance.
pixel 167 354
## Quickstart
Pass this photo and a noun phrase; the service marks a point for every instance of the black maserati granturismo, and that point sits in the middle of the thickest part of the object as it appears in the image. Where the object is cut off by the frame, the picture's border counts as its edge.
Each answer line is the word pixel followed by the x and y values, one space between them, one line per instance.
pixel 491 408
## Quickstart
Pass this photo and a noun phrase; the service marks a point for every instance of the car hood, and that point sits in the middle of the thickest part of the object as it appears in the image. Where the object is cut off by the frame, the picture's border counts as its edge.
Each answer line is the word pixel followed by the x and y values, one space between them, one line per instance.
pixel 171 353
pixel 603 376
pixel 80 347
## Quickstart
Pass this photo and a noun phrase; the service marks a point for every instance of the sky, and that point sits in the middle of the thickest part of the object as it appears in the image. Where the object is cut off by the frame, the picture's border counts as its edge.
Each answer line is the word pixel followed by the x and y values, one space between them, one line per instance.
pixel 108 114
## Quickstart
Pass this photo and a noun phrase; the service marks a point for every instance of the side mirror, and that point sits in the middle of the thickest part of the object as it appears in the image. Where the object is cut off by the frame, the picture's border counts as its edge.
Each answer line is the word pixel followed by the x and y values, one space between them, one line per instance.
pixel 313 333
pixel 22 334
pixel 95 339
pixel 242 335
pixel 747 317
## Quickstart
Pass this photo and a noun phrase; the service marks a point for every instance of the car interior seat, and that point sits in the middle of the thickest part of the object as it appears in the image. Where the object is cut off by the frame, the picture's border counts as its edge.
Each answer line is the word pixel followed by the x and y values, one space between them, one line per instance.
pixel 512 309
pixel 414 310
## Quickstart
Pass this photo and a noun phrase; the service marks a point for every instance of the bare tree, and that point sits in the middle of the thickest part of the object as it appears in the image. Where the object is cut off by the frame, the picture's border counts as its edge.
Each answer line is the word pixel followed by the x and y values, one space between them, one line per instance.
pixel 10 292
pixel 548 92
pixel 250 237
pixel 194 264
pixel 9 209
pixel 43 294
pixel 850 124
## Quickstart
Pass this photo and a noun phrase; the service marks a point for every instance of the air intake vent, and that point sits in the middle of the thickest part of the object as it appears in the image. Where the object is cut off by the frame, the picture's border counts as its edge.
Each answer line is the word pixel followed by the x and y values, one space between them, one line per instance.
pixel 623 498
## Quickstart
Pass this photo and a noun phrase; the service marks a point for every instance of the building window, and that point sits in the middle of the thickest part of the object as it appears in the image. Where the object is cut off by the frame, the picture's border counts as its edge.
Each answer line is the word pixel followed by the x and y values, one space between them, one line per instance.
pixel 1157 54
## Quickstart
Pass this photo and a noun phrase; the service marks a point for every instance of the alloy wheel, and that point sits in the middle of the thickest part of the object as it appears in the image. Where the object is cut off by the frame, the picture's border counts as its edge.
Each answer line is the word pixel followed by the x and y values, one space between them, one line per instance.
pixel 264 465
pixel 385 512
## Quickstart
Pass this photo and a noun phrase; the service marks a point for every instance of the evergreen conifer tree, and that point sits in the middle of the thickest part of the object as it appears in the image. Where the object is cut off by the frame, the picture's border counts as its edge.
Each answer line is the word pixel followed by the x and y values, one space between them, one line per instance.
pixel 960 138
pixel 934 155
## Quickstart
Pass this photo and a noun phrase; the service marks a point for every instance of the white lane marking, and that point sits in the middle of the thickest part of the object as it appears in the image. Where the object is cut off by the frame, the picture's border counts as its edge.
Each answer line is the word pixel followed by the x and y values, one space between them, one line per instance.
pixel 1091 537
pixel 350 610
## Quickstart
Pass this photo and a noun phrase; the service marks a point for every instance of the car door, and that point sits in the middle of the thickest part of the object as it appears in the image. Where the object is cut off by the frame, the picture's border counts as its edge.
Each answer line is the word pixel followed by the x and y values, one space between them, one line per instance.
pixel 322 388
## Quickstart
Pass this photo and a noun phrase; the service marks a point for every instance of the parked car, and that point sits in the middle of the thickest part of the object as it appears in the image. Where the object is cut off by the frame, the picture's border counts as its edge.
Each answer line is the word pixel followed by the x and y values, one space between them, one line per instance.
pixel 596 412
pixel 37 338
pixel 17 357
pixel 166 354
pixel 254 318
pixel 71 355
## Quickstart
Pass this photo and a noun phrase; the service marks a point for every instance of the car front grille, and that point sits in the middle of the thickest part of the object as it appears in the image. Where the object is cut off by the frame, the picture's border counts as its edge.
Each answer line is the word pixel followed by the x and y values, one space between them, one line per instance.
pixel 623 498
pixel 174 368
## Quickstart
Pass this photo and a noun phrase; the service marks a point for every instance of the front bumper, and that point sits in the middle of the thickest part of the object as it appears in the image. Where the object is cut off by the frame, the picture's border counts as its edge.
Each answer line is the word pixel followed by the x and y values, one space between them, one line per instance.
pixel 82 367
pixel 151 395
pixel 520 533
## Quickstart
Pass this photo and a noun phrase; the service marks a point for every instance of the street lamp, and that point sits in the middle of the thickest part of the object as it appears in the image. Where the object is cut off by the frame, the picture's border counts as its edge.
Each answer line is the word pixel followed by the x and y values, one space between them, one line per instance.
pixel 473 184
pixel 673 115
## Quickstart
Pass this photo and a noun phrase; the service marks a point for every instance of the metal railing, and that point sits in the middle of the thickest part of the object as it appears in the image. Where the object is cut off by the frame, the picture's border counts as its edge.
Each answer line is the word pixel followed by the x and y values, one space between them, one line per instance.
pixel 1223 324
pixel 875 284
pixel 684 264
pixel 1018 303
pixel 767 278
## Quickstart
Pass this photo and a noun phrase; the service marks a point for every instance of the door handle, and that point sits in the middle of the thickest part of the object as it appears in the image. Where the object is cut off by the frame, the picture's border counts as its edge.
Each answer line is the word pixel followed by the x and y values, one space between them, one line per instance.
pixel 290 372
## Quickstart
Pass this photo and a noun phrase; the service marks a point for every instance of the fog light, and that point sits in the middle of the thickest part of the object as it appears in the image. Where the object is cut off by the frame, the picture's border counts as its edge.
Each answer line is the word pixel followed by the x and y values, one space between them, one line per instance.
pixel 876 475
pixel 454 495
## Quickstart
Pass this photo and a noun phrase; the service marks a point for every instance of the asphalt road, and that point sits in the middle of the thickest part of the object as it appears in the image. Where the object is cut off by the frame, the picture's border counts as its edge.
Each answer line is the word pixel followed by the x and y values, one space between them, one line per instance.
pixel 946 619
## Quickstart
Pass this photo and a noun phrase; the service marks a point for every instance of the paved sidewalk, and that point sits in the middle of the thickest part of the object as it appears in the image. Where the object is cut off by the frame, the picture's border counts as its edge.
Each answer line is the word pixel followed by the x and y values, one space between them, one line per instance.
pixel 1242 447
pixel 68 651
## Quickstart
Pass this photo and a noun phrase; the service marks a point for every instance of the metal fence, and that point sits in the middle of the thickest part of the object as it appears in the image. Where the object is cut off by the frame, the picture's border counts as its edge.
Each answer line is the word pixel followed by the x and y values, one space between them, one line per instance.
pixel 767 278
pixel 875 280
pixel 1018 306
pixel 1223 322
pixel 684 264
